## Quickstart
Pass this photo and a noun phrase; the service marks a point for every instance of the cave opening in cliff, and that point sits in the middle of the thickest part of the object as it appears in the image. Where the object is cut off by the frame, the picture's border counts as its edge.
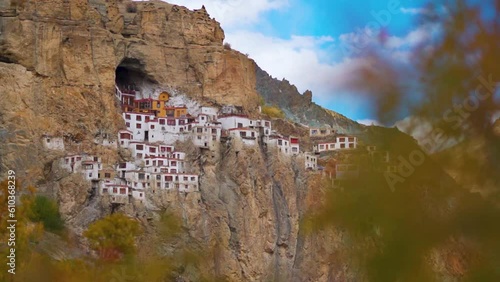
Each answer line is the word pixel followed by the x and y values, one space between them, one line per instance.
pixel 130 75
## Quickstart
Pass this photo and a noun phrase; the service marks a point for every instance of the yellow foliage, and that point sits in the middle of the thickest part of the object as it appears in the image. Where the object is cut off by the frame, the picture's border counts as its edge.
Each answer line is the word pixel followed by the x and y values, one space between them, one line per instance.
pixel 113 236
pixel 26 232
pixel 273 112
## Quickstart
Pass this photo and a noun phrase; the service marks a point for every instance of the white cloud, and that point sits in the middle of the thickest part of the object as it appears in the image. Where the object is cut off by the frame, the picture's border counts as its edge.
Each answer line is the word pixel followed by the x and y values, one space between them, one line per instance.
pixel 369 122
pixel 233 13
pixel 415 11
pixel 300 59
pixel 415 37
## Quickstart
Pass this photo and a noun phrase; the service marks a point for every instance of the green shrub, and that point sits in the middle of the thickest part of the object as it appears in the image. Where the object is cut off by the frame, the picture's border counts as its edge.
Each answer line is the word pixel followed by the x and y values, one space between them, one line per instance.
pixel 46 211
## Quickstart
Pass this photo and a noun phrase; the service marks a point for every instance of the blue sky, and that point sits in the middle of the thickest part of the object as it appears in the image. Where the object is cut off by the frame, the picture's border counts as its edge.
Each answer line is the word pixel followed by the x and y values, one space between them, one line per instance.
pixel 313 43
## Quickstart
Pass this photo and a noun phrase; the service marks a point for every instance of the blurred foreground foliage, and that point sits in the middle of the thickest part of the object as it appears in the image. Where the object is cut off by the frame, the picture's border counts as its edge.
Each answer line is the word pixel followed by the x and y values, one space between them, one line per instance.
pixel 430 226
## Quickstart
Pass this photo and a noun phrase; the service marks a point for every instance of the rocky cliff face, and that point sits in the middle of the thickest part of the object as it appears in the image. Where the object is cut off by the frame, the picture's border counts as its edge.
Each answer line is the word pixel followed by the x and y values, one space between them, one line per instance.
pixel 58 60
pixel 57 73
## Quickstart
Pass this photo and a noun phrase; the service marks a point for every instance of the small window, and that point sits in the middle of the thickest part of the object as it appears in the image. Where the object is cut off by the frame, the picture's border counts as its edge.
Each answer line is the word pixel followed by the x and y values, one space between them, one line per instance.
pixel 138 118
pixel 127 116
pixel 138 125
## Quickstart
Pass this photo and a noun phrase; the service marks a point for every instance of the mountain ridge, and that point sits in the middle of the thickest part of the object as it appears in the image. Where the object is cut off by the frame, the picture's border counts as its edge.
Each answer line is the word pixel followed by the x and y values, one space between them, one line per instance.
pixel 299 107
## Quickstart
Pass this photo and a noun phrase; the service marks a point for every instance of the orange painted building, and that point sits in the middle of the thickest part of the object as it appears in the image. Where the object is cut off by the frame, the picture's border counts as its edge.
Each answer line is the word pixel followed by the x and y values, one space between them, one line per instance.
pixel 149 105
pixel 176 111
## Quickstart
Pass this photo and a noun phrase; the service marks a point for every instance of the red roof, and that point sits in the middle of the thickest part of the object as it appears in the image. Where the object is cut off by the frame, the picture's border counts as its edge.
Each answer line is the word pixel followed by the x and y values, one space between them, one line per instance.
pixel 115 185
pixel 242 128
pixel 141 113
pixel 145 100
pixel 232 115
pixel 153 157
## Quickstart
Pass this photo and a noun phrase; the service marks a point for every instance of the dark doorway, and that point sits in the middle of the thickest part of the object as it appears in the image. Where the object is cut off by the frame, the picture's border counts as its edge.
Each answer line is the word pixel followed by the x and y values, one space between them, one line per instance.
pixel 146 135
